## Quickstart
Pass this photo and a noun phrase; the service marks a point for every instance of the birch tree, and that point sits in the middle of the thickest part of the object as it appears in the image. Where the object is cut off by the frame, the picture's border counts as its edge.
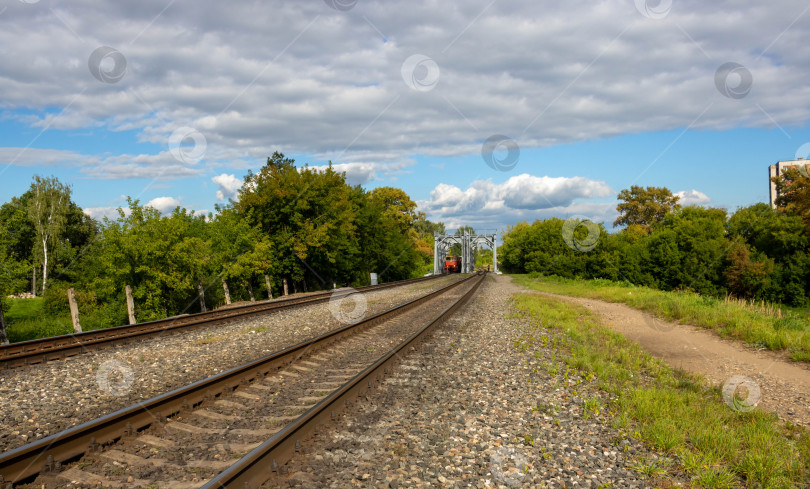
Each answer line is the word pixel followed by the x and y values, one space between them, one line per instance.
pixel 47 211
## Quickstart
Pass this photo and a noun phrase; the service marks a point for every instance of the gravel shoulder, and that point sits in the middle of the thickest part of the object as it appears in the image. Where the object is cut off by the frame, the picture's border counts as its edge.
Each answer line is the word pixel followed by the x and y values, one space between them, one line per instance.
pixel 784 384
pixel 475 411
pixel 43 399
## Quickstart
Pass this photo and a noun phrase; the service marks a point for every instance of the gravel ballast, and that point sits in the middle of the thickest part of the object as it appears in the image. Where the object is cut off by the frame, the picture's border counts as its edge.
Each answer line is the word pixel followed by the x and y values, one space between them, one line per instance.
pixel 476 411
pixel 40 400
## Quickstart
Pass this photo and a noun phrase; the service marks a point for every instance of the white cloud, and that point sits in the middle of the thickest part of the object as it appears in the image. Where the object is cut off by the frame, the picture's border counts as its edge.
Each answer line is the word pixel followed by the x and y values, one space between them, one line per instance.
pixel 37 157
pixel 100 213
pixel 314 80
pixel 692 197
pixel 521 197
pixel 164 204
pixel 228 186
pixel 362 172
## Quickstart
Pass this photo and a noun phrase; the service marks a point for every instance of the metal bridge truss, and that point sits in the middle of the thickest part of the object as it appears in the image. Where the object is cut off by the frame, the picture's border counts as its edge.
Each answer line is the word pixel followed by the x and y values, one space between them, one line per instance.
pixel 469 243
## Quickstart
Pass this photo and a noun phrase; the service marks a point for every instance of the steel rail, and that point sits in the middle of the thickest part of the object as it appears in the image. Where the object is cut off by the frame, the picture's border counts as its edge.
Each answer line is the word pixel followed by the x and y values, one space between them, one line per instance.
pixel 265 460
pixel 45 454
pixel 59 347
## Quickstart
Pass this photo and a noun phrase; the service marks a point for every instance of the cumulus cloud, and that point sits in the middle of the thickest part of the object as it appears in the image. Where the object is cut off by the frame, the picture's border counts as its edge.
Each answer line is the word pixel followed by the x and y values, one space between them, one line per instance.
pixel 160 166
pixel 362 172
pixel 521 197
pixel 228 186
pixel 329 83
pixel 37 157
pixel 692 197
pixel 164 204
pixel 110 212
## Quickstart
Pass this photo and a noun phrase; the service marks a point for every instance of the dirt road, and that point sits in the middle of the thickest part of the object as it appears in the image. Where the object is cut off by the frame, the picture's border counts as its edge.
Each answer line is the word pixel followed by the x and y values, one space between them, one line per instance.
pixel 784 385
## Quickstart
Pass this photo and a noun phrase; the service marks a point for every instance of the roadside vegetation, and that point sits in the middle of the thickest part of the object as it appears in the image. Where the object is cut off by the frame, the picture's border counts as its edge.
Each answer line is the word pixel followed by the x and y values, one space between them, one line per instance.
pixel 759 325
pixel 756 253
pixel 673 412
pixel 291 227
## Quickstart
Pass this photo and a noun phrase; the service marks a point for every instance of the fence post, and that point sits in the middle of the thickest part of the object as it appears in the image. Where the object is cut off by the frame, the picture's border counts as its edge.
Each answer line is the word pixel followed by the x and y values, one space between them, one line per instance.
pixel 227 292
pixel 74 311
pixel 130 305
pixel 286 292
pixel 202 295
pixel 3 335
pixel 250 291
pixel 269 290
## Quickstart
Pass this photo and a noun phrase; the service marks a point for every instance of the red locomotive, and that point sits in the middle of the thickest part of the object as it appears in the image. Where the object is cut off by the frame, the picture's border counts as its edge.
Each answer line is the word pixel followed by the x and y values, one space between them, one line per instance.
pixel 452 264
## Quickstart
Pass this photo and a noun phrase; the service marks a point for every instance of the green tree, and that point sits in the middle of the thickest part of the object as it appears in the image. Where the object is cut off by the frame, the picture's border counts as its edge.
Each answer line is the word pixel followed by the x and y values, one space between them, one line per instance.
pixel 161 257
pixel 778 240
pixel 21 242
pixel 240 251
pixel 540 248
pixel 399 208
pixel 12 277
pixel 644 206
pixel 688 248
pixel 48 212
pixel 308 216
pixel 793 188
pixel 746 277
pixel 425 229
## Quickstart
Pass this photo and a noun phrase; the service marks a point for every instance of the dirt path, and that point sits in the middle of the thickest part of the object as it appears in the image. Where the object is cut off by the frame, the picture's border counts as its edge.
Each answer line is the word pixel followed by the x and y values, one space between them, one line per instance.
pixel 784 385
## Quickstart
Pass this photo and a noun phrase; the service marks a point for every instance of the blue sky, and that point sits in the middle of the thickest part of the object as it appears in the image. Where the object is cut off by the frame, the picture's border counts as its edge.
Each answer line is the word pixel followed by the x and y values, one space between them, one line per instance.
pixel 172 102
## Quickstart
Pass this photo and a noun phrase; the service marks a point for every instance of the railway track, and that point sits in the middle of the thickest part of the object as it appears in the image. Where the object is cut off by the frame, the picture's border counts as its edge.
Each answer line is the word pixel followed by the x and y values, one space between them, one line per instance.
pixel 60 347
pixel 237 428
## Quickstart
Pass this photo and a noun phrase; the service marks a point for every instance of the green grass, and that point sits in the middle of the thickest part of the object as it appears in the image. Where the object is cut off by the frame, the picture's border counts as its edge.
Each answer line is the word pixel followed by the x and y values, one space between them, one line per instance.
pixel 759 325
pixel 671 411
pixel 25 320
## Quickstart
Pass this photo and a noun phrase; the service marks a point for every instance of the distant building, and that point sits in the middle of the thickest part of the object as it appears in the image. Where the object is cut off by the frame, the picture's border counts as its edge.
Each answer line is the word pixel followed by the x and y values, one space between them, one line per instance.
pixel 778 169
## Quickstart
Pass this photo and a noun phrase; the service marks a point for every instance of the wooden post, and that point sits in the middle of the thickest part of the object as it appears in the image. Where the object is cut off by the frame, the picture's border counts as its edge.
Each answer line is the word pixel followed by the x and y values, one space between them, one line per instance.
pixel 286 292
pixel 295 288
pixel 227 292
pixel 202 295
pixel 34 280
pixel 250 291
pixel 130 305
pixel 305 285
pixel 269 290
pixel 3 336
pixel 74 311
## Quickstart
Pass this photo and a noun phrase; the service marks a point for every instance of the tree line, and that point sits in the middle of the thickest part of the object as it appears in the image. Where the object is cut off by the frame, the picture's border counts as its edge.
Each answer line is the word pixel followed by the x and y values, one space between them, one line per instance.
pixel 292 228
pixel 756 252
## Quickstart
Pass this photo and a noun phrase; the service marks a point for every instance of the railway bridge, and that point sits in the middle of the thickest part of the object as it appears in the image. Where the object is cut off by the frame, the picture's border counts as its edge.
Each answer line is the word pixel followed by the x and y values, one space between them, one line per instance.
pixel 469 243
